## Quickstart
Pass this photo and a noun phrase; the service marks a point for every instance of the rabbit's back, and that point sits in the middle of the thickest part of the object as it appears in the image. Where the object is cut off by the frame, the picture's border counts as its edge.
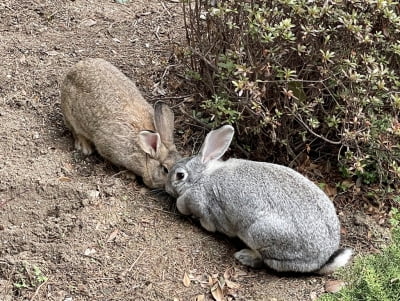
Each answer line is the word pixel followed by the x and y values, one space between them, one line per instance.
pixel 272 187
pixel 291 208
pixel 95 95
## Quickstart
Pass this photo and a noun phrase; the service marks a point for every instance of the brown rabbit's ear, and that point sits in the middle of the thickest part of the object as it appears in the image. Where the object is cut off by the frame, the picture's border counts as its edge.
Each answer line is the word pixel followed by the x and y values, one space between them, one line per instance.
pixel 164 122
pixel 149 142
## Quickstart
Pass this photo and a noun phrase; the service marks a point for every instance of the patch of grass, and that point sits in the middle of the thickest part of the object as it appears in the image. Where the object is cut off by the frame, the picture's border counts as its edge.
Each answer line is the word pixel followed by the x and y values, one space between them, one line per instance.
pixel 374 277
pixel 29 276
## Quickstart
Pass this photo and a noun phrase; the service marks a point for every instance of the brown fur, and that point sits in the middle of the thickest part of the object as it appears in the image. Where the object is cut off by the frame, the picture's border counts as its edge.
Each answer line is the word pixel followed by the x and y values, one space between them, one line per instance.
pixel 103 108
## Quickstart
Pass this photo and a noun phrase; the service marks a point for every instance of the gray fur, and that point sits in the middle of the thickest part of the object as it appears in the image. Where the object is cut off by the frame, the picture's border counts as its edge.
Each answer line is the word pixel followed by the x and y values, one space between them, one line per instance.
pixel 106 111
pixel 287 222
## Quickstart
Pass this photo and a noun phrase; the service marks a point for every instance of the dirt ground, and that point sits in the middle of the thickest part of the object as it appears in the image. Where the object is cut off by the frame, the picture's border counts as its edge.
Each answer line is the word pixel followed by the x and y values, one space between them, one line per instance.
pixel 75 228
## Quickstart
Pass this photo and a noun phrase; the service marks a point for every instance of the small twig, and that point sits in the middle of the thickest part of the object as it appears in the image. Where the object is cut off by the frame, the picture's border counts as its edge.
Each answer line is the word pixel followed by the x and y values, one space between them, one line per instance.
pixel 158 209
pixel 204 59
pixel 52 15
pixel 6 6
pixel 293 80
pixel 156 32
pixel 110 27
pixel 37 290
pixel 165 8
pixel 4 202
pixel 205 125
pixel 120 173
pixel 94 258
pixel 295 157
pixel 339 152
pixel 208 127
pixel 161 81
pixel 166 71
pixel 170 97
pixel 123 274
pixel 242 150
pixel 314 133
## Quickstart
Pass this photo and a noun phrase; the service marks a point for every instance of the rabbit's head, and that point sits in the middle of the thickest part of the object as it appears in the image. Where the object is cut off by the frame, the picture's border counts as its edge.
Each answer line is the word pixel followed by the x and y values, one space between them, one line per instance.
pixel 159 147
pixel 188 171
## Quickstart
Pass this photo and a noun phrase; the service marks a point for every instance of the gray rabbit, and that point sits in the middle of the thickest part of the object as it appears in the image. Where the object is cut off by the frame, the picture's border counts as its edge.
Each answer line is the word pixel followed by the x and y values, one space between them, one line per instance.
pixel 105 110
pixel 287 222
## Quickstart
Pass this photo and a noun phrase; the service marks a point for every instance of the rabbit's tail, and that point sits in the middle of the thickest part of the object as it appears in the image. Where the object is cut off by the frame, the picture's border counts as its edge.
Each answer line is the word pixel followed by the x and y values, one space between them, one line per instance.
pixel 337 260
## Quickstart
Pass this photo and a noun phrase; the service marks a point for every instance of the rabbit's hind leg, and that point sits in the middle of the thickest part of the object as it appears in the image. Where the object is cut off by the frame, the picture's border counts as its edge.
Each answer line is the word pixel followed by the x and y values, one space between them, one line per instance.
pixel 249 258
pixel 294 265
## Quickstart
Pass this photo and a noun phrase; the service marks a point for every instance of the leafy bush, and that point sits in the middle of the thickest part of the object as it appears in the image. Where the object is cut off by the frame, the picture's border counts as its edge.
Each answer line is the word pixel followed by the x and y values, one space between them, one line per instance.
pixel 297 76
pixel 374 277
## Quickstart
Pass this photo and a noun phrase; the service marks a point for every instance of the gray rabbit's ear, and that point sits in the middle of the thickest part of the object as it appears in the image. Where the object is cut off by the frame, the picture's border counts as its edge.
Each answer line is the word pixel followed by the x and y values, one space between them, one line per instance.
pixel 216 143
pixel 149 142
pixel 164 122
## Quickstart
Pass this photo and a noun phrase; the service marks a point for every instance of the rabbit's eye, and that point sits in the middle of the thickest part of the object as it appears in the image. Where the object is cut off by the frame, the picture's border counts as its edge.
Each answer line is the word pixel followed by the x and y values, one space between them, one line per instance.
pixel 165 169
pixel 180 175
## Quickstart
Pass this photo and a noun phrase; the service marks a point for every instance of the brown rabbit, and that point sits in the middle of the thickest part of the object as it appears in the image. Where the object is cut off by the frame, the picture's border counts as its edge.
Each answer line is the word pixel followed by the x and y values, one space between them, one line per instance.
pixel 105 110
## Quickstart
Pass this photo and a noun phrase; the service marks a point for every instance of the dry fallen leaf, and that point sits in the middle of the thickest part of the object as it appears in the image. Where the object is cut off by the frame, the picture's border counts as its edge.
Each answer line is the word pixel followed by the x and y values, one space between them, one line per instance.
pixel 221 282
pixel 68 166
pixel 238 273
pixel 347 183
pixel 52 53
pixel 374 250
pixel 22 60
pixel 231 284
pixel 216 292
pixel 113 235
pixel 313 296
pixel 333 286
pixel 144 190
pixel 201 279
pixel 200 298
pixel 211 281
pixel 88 22
pixel 331 191
pixel 229 272
pixel 186 280
pixel 89 252
pixel 64 179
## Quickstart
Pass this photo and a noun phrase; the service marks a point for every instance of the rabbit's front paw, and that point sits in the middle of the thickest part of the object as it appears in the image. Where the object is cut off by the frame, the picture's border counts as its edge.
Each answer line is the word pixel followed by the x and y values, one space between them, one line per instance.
pixel 83 145
pixel 208 225
pixel 249 258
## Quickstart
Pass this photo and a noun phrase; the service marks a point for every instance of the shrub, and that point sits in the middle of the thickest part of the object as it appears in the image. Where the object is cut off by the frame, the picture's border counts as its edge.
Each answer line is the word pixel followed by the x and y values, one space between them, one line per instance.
pixel 297 76
pixel 374 277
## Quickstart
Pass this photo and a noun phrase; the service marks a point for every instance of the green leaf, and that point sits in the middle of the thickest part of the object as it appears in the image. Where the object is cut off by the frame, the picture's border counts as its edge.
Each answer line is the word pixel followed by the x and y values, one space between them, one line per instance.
pixel 298 90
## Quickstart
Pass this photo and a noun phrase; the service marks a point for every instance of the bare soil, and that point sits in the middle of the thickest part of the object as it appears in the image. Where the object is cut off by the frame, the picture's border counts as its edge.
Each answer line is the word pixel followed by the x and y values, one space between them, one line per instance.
pixel 77 228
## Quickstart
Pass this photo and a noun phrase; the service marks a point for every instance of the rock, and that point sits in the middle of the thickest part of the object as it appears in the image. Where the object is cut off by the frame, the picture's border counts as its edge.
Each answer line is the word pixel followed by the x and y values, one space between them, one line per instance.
pixel 333 286
pixel 93 194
